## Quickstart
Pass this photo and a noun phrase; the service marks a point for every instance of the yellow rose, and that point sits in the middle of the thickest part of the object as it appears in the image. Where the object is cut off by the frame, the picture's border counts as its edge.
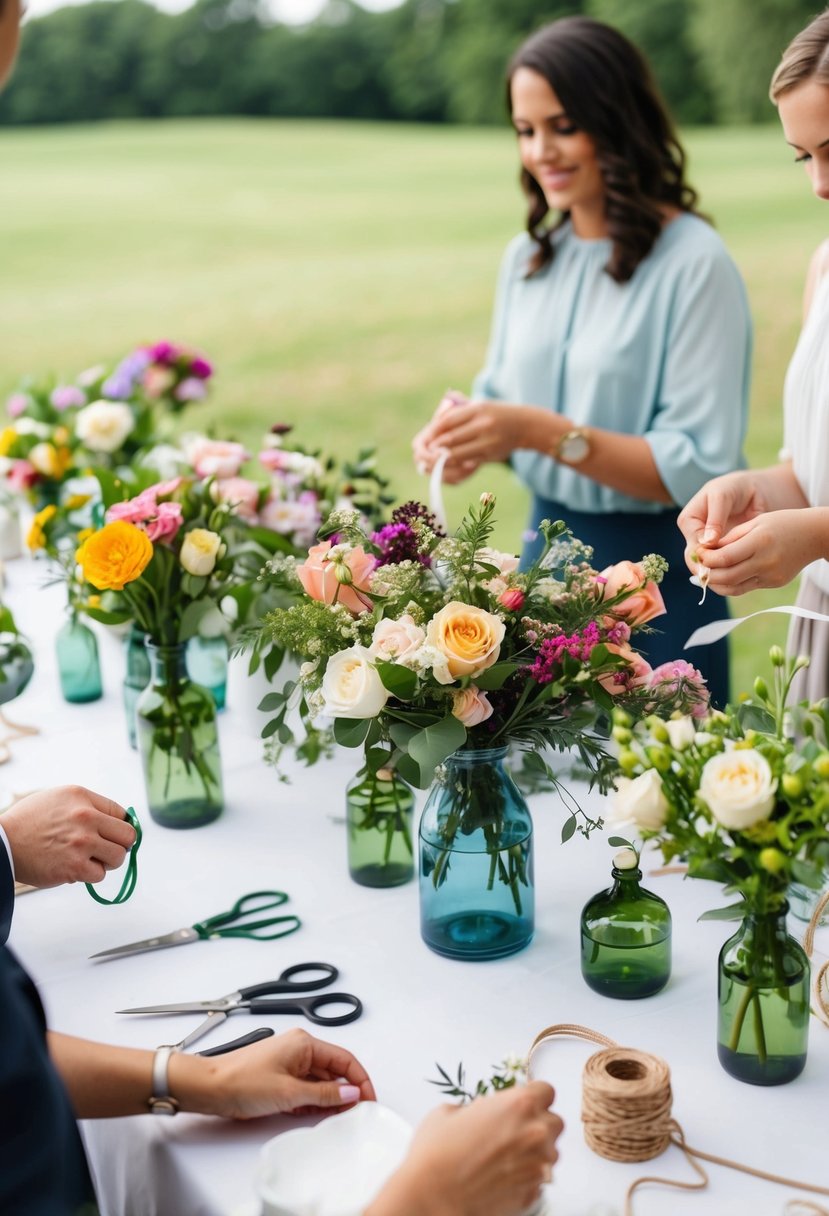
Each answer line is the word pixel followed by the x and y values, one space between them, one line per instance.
pixel 75 501
pixel 469 637
pixel 200 550
pixel 36 537
pixel 45 459
pixel 115 555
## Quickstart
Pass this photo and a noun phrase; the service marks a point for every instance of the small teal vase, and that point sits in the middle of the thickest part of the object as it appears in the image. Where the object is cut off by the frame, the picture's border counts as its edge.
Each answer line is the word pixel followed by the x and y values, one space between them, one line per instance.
pixel 207 665
pixel 78 665
pixel 136 678
pixel 477 899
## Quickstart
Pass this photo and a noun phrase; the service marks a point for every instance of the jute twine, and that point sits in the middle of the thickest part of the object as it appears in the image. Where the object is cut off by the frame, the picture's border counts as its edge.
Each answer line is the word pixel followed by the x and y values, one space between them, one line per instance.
pixel 626 1111
pixel 821 981
pixel 15 731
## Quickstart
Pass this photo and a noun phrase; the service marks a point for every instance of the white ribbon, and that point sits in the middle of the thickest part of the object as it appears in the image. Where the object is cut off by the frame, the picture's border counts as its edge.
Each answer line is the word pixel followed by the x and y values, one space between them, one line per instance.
pixel 435 490
pixel 716 630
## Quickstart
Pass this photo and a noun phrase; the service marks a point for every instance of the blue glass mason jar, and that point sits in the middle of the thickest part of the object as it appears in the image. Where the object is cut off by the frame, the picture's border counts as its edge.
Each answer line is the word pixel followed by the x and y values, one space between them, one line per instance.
pixel 207 665
pixel 477 899
pixel 78 665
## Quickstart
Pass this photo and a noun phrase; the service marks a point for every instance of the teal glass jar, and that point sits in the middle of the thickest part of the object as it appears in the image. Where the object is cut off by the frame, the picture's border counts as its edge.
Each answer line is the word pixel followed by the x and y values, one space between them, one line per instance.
pixel 179 743
pixel 477 899
pixel 16 665
pixel 136 678
pixel 379 811
pixel 78 665
pixel 763 998
pixel 207 665
pixel 626 936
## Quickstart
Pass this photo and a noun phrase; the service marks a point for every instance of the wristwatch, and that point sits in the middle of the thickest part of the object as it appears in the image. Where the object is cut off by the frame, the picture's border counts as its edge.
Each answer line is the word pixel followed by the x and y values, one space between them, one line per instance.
pixel 160 1101
pixel 573 447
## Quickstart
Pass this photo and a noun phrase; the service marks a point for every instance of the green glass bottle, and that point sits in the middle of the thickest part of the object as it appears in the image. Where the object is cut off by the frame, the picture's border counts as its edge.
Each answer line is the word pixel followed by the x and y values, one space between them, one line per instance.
pixel 626 936
pixel 136 677
pixel 379 812
pixel 78 666
pixel 763 996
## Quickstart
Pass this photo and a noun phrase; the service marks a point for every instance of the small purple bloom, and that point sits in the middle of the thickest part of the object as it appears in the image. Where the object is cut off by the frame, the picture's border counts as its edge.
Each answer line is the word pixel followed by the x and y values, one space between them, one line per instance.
pixel 529 536
pixel 201 368
pixel 190 390
pixel 67 397
pixel 163 352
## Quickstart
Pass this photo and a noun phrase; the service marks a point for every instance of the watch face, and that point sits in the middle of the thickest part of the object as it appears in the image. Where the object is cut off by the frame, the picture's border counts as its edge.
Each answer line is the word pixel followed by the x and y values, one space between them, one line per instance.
pixel 574 448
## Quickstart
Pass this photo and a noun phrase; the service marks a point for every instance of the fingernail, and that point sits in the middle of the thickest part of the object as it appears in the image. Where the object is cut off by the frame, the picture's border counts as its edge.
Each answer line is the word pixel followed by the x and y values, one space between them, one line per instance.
pixel 349 1093
pixel 707 536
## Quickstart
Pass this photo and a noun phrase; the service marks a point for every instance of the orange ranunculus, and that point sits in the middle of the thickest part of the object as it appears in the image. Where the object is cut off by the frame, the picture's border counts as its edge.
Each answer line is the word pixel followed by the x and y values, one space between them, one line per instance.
pixel 643 603
pixel 468 637
pixel 115 555
pixel 318 576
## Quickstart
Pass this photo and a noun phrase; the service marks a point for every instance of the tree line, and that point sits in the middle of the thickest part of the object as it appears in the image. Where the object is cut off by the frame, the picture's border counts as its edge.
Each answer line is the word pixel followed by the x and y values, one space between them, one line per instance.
pixel 425 61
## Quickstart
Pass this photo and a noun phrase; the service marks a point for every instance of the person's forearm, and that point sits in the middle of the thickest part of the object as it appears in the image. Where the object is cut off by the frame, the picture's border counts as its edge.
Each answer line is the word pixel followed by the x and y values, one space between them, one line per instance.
pixel 622 462
pixel 409 1193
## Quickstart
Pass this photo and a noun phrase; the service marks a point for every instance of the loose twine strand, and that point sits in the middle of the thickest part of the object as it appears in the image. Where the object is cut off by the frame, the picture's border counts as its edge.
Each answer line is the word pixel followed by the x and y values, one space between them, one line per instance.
pixel 821 982
pixel 626 1111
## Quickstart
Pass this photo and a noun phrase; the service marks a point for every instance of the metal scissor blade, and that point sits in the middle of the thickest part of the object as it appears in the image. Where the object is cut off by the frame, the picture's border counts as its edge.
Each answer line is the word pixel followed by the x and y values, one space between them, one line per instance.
pixel 183 1007
pixel 179 937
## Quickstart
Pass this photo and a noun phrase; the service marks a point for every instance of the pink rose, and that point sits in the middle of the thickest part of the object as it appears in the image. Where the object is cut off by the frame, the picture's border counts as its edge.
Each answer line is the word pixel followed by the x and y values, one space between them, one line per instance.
pixel 398 640
pixel 637 671
pixel 160 520
pixel 512 599
pixel 471 706
pixel 17 404
pixel 643 603
pixel 319 578
pixel 241 493
pixel 166 522
pixel 216 458
pixel 22 475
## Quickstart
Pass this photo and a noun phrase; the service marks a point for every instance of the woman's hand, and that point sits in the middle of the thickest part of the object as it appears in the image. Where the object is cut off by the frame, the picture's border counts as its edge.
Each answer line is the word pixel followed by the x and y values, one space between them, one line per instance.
pixel 294 1072
pixel 426 450
pixel 490 1158
pixel 721 504
pixel 66 834
pixel 767 551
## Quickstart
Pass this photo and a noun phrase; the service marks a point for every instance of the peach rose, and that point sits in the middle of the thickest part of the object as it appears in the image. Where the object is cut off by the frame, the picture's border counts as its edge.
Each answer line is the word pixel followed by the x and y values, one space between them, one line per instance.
pixel 318 576
pixel 637 669
pixel 643 604
pixel 471 706
pixel 396 641
pixel 469 637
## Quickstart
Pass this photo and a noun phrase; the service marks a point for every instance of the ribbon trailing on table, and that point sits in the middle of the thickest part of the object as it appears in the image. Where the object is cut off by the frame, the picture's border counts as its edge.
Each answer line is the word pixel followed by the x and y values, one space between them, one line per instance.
pixel 436 492
pixel 626 1111
pixel 131 876
pixel 716 630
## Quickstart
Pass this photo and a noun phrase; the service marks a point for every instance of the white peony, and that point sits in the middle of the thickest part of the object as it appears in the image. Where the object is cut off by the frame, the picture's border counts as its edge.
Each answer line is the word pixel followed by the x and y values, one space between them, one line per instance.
pixel 200 550
pixel 640 801
pixel 351 687
pixel 103 426
pixel 738 788
pixel 681 732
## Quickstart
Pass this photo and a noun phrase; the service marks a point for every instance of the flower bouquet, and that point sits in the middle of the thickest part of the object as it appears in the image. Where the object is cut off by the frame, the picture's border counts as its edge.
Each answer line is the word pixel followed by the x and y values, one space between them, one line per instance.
pixel 744 803
pixel 436 653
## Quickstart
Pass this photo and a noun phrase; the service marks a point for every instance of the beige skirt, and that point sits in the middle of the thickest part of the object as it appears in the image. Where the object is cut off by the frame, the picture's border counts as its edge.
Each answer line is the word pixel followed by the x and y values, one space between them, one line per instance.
pixel 810 638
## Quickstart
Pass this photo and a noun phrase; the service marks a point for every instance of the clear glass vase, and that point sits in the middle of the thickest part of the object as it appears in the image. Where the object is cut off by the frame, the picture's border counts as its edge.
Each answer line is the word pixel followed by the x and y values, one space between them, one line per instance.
pixel 379 808
pixel 803 900
pixel 78 665
pixel 763 993
pixel 626 939
pixel 136 678
pixel 477 899
pixel 179 743
pixel 207 665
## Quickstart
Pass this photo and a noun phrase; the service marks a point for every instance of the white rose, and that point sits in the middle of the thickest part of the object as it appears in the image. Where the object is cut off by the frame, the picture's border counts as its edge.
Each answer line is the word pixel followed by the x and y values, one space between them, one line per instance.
pixel 397 640
pixel 640 801
pixel 166 460
pixel 351 687
pixel 200 550
pixel 681 732
pixel 104 425
pixel 738 788
pixel 506 563
pixel 30 426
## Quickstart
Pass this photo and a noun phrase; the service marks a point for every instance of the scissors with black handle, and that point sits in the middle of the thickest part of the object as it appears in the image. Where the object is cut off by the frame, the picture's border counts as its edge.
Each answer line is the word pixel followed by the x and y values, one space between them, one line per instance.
pixel 286 994
pixel 236 922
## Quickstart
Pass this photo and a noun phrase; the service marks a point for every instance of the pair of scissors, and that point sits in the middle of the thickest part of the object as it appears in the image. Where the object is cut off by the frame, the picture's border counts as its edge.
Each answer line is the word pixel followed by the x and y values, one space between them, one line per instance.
pixel 282 995
pixel 236 922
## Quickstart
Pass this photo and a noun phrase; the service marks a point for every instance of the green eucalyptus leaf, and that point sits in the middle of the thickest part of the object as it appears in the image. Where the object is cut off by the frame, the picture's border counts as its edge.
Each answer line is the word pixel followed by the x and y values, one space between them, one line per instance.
pixel 495 677
pixel 400 681
pixel 351 732
pixel 273 700
pixel 755 717
pixel 568 829
pixel 729 912
pixel 431 746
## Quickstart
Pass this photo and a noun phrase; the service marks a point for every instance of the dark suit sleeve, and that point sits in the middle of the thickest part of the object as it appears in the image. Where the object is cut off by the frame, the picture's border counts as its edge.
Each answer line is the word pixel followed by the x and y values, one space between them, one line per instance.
pixel 6 895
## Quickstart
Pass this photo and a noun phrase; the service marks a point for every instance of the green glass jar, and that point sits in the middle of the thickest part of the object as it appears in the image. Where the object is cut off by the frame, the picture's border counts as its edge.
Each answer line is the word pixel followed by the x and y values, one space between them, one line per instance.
pixel 763 996
pixel 78 666
pixel 179 743
pixel 379 809
pixel 16 665
pixel 136 678
pixel 626 936
pixel 207 665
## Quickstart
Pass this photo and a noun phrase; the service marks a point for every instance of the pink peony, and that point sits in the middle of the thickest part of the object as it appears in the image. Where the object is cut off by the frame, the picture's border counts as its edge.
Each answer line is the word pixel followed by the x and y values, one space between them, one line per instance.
pixel 668 678
pixel 318 577
pixel 166 522
pixel 643 603
pixel 241 493
pixel 160 520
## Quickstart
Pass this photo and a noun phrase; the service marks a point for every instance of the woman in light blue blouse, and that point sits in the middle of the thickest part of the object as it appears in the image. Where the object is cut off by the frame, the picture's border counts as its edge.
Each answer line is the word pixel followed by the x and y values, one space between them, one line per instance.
pixel 616 381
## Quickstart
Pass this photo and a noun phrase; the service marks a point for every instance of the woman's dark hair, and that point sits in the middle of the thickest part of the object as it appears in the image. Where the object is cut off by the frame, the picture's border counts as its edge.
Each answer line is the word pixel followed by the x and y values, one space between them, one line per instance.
pixel 606 88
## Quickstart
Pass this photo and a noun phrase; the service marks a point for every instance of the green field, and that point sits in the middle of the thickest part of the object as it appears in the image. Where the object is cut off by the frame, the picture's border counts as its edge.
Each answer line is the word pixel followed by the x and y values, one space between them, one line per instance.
pixel 339 274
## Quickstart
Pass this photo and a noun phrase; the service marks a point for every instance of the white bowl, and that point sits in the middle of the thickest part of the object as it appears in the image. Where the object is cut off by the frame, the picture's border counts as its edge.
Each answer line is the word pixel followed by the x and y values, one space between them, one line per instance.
pixel 335 1168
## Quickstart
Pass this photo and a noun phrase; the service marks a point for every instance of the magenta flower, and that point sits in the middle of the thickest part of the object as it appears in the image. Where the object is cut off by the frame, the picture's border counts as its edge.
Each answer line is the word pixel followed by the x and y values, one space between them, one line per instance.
pixel 163 352
pixel 201 368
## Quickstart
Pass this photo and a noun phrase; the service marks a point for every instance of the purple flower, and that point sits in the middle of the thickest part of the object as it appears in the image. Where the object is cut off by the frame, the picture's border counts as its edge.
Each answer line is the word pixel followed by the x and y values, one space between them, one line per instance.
pixel 200 368
pixel 552 651
pixel 190 390
pixel 398 543
pixel 162 352
pixel 67 396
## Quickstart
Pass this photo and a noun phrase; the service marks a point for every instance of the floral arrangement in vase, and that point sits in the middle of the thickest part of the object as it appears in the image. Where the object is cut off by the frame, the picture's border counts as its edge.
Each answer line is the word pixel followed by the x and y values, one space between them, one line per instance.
pixel 743 800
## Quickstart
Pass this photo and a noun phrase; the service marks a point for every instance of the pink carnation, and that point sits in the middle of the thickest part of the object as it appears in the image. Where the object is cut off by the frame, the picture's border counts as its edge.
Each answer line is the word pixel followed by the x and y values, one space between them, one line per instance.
pixel 677 676
pixel 166 523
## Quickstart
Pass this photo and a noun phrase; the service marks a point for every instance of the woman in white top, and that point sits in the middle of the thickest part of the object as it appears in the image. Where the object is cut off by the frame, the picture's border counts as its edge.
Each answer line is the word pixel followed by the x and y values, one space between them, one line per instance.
pixel 761 528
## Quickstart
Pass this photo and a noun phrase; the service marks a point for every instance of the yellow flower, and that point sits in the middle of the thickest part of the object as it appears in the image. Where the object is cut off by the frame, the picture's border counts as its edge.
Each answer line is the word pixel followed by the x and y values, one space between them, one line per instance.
pixel 468 637
pixel 76 501
pixel 85 534
pixel 200 550
pixel 44 457
pixel 60 435
pixel 94 601
pixel 114 556
pixel 7 439
pixel 36 537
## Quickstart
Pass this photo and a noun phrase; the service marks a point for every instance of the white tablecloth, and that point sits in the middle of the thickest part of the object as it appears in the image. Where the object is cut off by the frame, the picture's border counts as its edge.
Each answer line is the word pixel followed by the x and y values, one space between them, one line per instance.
pixel 419 1008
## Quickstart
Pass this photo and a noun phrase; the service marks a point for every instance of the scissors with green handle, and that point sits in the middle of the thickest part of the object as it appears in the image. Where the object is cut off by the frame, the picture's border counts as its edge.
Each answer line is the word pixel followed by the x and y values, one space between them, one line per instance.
pixel 239 921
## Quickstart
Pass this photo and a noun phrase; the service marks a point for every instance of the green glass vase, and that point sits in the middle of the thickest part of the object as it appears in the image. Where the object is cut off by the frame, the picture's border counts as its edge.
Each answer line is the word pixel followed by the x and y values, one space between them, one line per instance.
pixel 136 678
pixel 179 743
pixel 16 665
pixel 763 996
pixel 207 665
pixel 78 665
pixel 379 809
pixel 626 938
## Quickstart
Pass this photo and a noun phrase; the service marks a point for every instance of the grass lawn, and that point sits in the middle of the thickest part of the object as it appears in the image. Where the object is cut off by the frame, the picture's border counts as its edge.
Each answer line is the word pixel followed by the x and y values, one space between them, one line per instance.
pixel 339 274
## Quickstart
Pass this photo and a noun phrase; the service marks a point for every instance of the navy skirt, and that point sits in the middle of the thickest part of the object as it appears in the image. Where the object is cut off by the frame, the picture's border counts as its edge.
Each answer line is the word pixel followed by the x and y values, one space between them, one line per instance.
pixel 629 536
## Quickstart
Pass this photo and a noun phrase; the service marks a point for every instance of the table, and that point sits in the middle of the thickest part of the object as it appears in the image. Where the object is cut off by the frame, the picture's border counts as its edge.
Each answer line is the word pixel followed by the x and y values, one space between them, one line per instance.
pixel 419 1008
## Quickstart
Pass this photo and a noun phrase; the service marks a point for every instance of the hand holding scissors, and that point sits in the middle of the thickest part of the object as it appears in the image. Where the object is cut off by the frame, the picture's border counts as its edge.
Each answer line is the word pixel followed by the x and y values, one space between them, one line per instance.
pixel 236 922
pixel 282 995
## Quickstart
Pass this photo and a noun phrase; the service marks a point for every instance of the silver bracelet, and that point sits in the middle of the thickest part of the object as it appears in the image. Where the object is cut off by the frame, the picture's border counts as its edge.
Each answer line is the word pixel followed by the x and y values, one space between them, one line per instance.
pixel 161 1102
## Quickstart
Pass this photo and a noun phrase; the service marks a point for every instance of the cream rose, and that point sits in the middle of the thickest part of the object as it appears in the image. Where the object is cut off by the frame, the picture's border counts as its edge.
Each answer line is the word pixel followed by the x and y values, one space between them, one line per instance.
pixel 738 788
pixel 640 801
pixel 469 637
pixel 397 641
pixel 471 706
pixel 681 732
pixel 104 425
pixel 200 550
pixel 351 687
